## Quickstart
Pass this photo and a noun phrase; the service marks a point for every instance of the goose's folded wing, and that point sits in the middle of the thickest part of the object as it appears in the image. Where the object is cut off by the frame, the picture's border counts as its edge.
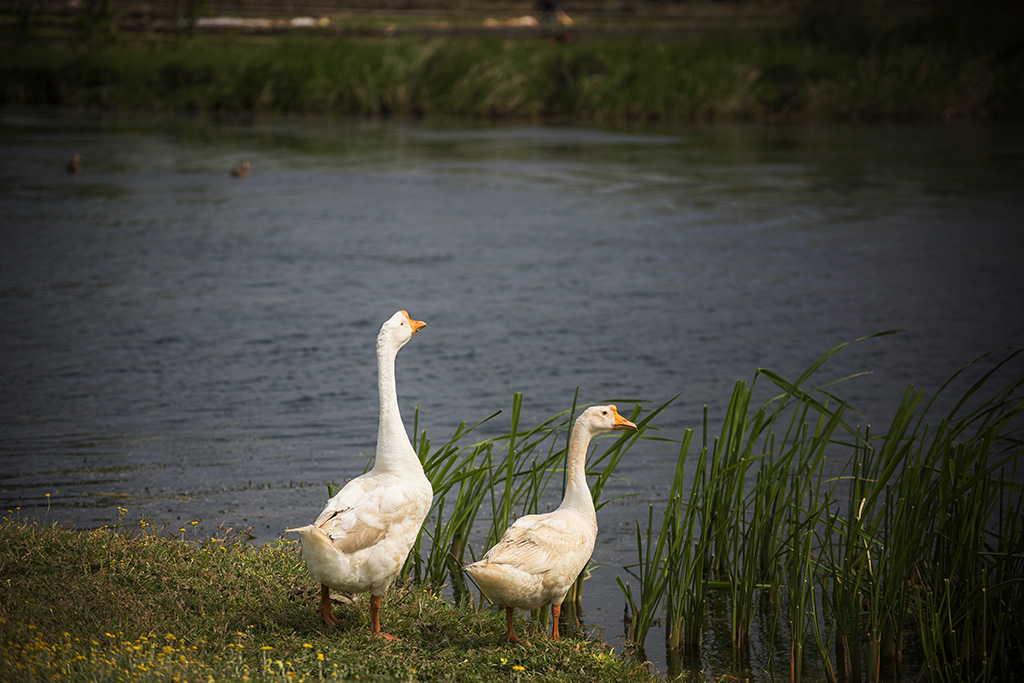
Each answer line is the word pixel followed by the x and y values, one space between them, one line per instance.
pixel 363 521
pixel 345 499
pixel 537 545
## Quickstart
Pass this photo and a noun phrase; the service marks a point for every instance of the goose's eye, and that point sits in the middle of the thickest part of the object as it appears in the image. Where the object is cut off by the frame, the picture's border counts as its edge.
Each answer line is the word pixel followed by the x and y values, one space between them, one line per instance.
pixel 604 412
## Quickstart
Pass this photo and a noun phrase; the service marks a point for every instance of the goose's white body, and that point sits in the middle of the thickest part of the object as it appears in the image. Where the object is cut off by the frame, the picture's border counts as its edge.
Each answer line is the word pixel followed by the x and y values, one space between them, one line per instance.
pixel 537 559
pixel 360 541
pixel 540 556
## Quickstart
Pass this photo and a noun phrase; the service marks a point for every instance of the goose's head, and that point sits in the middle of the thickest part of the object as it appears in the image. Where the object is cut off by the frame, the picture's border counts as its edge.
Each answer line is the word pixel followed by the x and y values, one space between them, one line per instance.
pixel 603 419
pixel 398 330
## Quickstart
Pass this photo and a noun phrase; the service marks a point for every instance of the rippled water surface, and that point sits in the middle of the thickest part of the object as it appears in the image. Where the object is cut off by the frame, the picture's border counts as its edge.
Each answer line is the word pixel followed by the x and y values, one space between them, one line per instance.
pixel 195 347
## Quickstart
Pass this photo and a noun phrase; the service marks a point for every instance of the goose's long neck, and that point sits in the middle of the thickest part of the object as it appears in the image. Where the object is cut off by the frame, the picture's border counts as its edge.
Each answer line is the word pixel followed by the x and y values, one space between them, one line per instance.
pixel 577 493
pixel 394 451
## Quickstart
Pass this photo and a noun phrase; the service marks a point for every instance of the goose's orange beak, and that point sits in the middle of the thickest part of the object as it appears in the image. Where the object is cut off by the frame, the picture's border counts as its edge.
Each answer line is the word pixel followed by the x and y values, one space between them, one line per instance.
pixel 416 325
pixel 621 422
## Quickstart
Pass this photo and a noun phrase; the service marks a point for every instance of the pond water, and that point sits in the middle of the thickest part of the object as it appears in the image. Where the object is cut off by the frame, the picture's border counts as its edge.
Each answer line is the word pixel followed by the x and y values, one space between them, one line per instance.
pixel 190 346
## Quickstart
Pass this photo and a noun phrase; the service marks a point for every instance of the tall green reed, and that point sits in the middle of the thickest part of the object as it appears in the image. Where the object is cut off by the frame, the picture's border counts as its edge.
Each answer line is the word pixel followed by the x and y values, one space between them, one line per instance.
pixel 969 562
pixel 449 467
pixel 917 490
pixel 917 530
pixel 746 474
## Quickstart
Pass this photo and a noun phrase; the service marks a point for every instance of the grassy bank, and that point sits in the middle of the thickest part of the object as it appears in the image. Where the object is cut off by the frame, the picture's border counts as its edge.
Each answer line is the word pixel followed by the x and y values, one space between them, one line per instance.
pixel 834 66
pixel 131 603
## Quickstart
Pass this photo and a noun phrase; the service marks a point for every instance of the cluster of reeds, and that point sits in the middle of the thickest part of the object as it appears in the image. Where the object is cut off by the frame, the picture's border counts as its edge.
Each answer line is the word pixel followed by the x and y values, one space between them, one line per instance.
pixel 855 539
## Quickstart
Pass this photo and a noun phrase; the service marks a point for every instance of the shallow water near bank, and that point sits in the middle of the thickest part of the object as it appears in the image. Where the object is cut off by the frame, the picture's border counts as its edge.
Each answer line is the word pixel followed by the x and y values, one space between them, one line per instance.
pixel 187 346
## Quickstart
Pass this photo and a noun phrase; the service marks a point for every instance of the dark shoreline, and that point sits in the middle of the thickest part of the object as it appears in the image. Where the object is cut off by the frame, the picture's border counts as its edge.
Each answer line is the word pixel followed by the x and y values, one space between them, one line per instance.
pixel 803 66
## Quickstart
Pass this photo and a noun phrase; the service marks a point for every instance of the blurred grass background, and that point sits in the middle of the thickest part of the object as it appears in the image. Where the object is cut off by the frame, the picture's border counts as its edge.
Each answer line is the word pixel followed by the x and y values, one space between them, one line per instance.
pixel 675 61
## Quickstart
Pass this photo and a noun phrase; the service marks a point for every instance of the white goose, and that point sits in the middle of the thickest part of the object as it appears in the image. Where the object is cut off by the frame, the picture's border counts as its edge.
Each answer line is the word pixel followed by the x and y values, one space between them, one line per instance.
pixel 360 541
pixel 539 556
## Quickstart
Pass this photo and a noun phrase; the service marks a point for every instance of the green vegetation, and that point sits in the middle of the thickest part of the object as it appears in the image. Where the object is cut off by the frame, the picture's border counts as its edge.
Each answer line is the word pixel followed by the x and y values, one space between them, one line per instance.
pixel 840 65
pixel 134 603
pixel 918 534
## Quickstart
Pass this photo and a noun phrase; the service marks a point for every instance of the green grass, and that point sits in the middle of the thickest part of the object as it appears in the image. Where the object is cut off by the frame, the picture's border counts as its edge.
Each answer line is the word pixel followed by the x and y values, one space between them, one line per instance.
pixel 134 603
pixel 941 66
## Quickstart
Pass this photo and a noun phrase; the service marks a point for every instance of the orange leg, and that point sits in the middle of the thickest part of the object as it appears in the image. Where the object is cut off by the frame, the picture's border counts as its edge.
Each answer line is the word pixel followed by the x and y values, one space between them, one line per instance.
pixel 325 605
pixel 509 613
pixel 555 611
pixel 375 618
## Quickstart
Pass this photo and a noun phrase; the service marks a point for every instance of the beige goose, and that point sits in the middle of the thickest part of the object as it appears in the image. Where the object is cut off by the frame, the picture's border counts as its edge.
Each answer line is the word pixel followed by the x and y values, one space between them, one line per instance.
pixel 540 556
pixel 360 541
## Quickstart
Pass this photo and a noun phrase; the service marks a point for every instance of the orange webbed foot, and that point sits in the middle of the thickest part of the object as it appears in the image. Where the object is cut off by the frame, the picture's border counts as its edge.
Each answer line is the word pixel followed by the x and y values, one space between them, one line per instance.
pixel 328 617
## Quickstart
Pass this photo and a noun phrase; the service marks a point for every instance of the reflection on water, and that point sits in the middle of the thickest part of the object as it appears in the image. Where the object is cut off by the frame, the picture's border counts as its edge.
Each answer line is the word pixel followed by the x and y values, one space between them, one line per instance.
pixel 196 347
